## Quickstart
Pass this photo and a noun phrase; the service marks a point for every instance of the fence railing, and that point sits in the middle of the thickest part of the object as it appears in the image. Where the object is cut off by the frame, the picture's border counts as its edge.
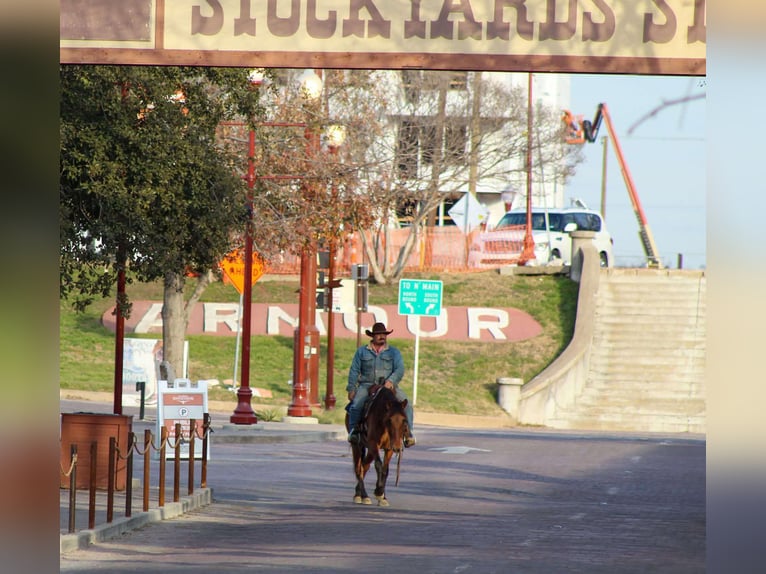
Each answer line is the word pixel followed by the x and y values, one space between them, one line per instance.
pixel 144 450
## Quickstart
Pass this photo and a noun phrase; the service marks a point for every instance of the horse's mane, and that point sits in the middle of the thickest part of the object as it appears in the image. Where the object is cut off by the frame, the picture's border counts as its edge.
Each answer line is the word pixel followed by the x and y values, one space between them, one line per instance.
pixel 384 403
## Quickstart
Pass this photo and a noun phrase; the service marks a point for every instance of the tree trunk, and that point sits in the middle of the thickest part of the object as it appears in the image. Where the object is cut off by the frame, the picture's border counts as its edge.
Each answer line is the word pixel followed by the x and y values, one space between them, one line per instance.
pixel 175 317
pixel 173 322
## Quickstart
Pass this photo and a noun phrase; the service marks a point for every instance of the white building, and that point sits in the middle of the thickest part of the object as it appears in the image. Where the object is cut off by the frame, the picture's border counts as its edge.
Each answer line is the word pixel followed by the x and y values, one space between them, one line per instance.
pixel 496 191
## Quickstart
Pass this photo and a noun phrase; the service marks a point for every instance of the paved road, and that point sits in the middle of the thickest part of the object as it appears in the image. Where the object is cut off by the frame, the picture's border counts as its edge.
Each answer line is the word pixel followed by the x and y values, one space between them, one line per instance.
pixel 468 501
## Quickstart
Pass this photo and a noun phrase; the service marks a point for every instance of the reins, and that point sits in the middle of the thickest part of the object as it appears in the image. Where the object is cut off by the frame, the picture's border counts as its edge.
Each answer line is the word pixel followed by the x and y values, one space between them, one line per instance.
pixel 398 464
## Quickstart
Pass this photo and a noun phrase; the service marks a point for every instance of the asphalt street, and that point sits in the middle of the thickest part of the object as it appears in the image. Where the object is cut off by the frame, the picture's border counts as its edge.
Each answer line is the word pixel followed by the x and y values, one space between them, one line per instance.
pixel 468 500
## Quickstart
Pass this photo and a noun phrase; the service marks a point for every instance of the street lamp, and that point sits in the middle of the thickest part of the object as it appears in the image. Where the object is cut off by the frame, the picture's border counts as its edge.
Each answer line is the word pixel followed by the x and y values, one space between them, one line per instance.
pixel 306 339
pixel 528 252
pixel 243 413
pixel 336 135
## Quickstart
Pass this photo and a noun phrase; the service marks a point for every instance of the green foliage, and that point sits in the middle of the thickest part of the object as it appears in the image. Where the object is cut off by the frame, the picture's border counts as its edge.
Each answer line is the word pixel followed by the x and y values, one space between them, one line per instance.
pixel 143 180
pixel 266 415
pixel 454 377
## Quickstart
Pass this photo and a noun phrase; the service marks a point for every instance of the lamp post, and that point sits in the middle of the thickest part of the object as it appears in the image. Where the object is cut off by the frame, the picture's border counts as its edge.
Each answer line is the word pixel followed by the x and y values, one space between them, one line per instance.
pixel 336 135
pixel 306 339
pixel 243 413
pixel 528 252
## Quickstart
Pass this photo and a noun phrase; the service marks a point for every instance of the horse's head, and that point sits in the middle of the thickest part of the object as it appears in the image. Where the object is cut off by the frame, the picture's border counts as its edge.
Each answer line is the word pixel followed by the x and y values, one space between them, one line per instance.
pixel 387 421
pixel 396 422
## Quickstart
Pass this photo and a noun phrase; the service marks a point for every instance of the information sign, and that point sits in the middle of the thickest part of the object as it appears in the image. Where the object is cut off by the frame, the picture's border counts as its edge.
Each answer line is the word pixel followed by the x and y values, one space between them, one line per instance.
pixel 420 297
pixel 180 401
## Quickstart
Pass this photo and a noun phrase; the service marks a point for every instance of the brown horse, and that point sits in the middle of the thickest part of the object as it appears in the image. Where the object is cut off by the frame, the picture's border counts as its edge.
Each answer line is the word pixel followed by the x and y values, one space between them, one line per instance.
pixel 381 434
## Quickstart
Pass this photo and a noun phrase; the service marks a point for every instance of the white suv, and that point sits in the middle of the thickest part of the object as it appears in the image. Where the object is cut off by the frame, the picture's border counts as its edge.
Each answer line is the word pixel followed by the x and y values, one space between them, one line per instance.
pixel 550 231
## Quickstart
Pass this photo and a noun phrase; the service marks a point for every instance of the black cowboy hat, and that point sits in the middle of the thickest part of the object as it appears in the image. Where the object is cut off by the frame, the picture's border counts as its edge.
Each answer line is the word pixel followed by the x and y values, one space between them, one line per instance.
pixel 377 329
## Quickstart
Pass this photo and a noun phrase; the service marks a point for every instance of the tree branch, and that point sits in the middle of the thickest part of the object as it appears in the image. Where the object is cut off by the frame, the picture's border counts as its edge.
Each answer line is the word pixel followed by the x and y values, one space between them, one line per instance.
pixel 662 106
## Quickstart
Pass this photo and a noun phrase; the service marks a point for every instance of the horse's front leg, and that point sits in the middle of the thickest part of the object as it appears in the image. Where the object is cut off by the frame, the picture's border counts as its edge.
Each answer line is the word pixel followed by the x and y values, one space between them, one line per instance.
pixel 361 466
pixel 381 468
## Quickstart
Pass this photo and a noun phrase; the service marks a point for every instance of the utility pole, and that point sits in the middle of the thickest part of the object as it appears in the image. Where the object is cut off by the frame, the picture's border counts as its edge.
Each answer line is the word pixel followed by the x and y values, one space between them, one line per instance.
pixel 604 141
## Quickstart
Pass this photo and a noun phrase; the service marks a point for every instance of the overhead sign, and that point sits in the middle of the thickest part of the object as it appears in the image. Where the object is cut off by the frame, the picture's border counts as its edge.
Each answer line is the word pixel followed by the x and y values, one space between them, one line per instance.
pixel 602 36
pixel 420 297
pixel 233 266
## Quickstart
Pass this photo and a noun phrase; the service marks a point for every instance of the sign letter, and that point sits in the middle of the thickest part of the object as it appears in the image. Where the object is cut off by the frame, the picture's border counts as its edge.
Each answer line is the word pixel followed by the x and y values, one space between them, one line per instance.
pixel 415 27
pixel 553 30
pixel 442 326
pixel 698 31
pixel 207 25
pixel 152 318
pixel 499 28
pixel 245 24
pixel 214 313
pixel 495 326
pixel 283 26
pixel 354 25
pixel 317 28
pixel 443 28
pixel 598 32
pixel 660 33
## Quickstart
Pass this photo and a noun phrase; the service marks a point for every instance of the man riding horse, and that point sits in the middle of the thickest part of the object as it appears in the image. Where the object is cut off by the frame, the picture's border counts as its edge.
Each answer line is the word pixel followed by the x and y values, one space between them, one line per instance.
pixel 372 362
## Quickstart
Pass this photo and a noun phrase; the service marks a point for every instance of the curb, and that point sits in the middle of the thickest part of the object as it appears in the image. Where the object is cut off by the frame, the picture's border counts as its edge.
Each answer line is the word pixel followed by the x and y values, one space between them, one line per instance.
pixel 84 538
pixel 271 437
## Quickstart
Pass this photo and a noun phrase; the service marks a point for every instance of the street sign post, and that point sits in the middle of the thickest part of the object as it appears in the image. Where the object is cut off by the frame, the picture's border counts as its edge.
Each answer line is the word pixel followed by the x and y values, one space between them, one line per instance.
pixel 233 267
pixel 419 297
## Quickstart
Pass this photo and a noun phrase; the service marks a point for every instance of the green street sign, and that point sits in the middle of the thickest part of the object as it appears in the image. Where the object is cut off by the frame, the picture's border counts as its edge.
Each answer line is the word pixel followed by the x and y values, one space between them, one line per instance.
pixel 420 297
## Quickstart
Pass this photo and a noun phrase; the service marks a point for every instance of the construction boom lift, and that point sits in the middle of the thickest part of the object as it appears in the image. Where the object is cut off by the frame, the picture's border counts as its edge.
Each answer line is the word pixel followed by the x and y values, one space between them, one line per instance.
pixel 580 131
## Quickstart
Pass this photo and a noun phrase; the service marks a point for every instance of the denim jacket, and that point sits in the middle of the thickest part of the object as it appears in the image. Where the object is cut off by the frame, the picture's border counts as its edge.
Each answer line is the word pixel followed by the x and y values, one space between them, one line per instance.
pixel 367 367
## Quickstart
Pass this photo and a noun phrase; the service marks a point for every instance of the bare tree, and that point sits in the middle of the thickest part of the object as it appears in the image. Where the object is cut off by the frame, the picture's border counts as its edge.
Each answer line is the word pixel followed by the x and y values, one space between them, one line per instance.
pixel 442 134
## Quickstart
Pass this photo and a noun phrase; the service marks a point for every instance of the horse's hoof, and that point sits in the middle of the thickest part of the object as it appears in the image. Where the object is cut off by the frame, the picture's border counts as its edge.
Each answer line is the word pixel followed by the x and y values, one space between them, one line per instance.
pixel 367 501
pixel 382 502
pixel 357 500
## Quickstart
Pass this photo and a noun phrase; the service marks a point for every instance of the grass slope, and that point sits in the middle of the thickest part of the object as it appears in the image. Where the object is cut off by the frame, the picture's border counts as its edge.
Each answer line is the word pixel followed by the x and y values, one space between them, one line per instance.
pixel 453 377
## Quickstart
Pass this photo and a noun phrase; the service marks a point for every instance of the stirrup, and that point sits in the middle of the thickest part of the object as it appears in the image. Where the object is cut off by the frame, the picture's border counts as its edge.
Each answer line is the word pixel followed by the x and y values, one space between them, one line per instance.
pixel 409 441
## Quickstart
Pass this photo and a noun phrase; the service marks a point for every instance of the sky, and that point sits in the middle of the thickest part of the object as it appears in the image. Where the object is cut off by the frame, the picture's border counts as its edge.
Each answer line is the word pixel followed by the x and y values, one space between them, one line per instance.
pixel 665 155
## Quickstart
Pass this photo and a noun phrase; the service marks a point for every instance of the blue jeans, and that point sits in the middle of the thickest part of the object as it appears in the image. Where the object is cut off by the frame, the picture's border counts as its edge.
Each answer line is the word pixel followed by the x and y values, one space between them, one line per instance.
pixel 356 407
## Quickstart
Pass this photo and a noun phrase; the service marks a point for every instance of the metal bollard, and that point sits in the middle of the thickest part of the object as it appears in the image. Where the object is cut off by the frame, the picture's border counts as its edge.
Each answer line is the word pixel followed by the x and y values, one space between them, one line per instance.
pixel 141 388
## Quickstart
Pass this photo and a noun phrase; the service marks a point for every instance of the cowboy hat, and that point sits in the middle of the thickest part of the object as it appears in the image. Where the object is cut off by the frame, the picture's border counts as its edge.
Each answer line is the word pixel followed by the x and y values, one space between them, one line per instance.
pixel 378 329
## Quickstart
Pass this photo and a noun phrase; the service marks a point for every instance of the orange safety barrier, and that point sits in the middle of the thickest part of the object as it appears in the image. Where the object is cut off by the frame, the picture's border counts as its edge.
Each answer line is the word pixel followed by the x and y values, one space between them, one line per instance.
pixel 436 249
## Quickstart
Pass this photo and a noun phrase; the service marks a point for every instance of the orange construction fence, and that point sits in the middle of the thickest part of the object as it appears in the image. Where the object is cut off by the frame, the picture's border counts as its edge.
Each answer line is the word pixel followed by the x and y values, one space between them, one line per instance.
pixel 436 249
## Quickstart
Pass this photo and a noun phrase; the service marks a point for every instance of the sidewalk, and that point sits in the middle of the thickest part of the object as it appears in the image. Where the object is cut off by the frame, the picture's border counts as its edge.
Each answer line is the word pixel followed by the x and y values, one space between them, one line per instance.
pixel 287 430
pixel 295 427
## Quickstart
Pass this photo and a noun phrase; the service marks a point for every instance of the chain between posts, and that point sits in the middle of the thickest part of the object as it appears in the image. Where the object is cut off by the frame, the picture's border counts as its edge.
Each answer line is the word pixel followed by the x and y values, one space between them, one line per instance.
pixel 144 449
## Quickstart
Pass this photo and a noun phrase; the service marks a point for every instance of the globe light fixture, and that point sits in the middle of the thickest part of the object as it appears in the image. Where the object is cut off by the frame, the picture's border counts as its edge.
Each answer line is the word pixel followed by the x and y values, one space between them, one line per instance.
pixel 310 85
pixel 335 135
pixel 256 76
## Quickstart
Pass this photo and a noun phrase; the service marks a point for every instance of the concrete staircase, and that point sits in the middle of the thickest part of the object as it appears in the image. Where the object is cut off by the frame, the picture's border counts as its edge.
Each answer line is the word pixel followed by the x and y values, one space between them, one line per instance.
pixel 646 364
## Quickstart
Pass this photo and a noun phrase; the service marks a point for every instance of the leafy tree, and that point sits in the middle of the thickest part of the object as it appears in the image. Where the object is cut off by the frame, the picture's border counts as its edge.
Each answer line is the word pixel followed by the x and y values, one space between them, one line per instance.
pixel 144 185
pixel 155 177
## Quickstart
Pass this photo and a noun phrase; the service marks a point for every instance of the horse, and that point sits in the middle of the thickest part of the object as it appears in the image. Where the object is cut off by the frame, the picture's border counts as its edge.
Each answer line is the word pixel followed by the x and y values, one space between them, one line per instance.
pixel 381 434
